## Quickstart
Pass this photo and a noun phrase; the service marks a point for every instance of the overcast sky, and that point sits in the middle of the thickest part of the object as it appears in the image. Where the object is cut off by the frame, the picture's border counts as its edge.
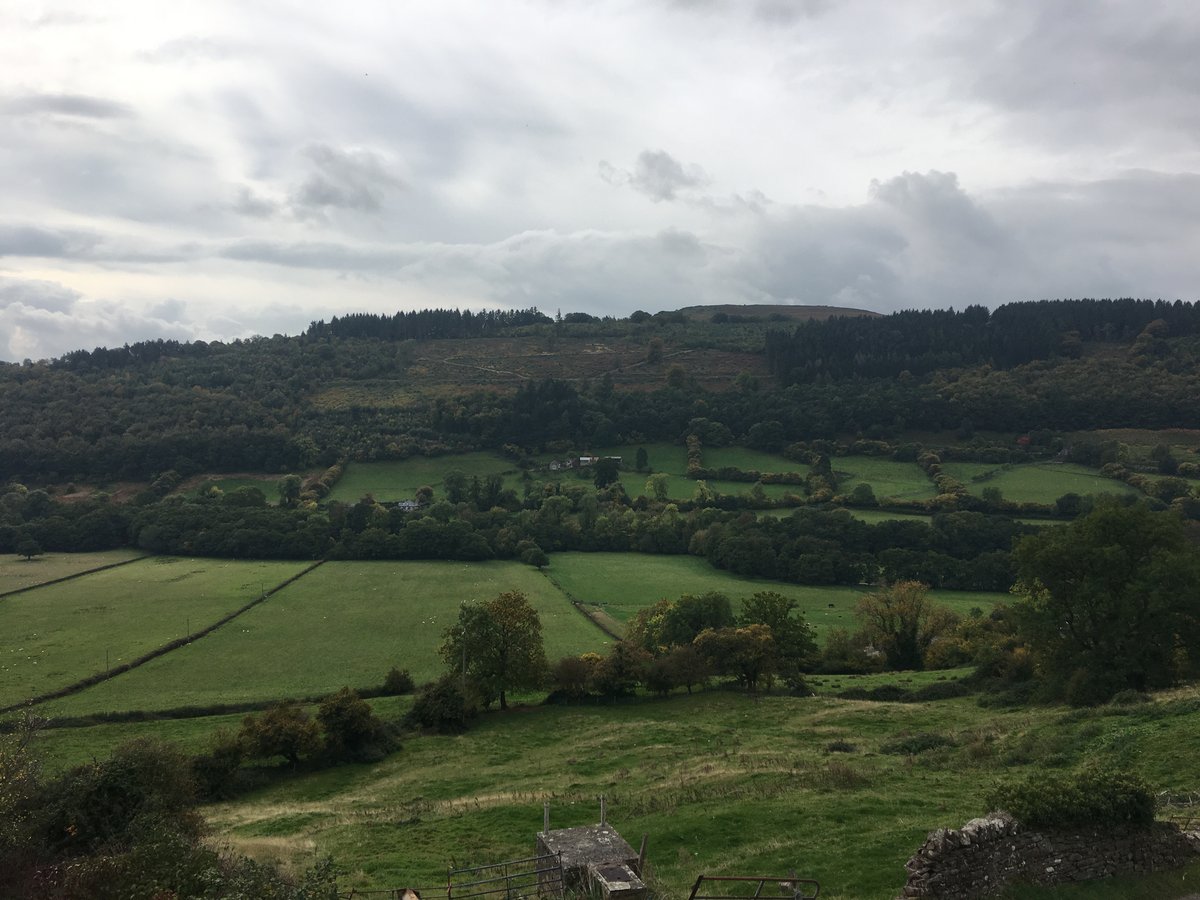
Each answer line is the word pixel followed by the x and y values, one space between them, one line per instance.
pixel 222 169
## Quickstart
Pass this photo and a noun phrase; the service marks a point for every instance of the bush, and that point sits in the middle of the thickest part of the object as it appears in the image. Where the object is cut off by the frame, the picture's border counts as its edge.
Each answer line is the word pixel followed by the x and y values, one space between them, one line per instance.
pixel 1130 697
pixel 940 690
pixel 217 771
pixel 1093 797
pixel 841 747
pixel 397 682
pixel 917 743
pixel 441 706
pixel 283 730
pixel 352 730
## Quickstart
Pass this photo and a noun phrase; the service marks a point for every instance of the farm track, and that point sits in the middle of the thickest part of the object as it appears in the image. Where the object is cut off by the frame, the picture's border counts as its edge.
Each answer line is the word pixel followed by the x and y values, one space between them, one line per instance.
pixel 84 683
pixel 42 584
pixel 581 608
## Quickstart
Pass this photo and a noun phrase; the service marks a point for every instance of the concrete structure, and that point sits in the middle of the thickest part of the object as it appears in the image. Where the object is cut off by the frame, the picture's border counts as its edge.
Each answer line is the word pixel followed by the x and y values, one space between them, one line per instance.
pixel 595 856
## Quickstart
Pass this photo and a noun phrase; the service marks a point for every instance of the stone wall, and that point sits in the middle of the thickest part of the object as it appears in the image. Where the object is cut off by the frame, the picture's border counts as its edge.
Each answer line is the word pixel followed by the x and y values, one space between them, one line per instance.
pixel 987 854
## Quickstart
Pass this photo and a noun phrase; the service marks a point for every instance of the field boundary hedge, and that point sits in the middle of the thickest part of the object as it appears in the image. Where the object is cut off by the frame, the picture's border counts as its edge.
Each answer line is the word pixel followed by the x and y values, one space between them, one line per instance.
pixel 42 584
pixel 76 686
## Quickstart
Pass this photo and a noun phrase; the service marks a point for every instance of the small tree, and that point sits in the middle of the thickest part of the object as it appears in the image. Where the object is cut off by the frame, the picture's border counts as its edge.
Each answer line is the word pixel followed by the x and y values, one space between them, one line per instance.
pixel 442 706
pixel 747 653
pixel 500 644
pixel 283 730
pixel 29 548
pixel 901 621
pixel 351 728
pixel 605 472
pixel 794 639
pixel 289 491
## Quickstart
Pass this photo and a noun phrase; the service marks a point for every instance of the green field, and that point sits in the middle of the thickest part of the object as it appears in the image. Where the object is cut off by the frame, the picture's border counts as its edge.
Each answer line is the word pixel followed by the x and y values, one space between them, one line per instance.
pixel 17 573
pixel 399 479
pixel 345 623
pixel 886 477
pixel 1035 482
pixel 721 782
pixel 746 459
pixel 54 635
pixel 622 583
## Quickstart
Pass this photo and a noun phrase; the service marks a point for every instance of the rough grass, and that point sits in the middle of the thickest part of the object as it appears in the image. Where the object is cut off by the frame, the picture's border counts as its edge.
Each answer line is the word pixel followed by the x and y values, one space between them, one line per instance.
pixel 886 477
pixel 622 583
pixel 57 634
pixel 720 782
pixel 346 623
pixel 17 572
pixel 1035 482
pixel 399 480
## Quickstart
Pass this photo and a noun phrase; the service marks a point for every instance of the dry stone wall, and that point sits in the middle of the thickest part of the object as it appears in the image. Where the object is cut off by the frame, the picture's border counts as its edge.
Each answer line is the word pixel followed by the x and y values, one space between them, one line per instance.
pixel 986 855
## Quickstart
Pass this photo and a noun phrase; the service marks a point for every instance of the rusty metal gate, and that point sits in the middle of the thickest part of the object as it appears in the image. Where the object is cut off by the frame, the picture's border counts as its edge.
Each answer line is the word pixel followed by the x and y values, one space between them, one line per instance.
pixel 737 887
pixel 533 876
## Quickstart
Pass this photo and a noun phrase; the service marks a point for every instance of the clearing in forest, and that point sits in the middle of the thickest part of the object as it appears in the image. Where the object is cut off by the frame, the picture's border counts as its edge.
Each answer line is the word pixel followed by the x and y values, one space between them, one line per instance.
pixel 17 573
pixel 1036 482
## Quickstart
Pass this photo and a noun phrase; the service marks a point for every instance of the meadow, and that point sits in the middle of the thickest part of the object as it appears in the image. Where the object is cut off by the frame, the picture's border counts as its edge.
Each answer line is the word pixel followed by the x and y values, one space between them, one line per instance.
pixel 886 477
pixel 746 459
pixel 721 782
pixel 1035 482
pixel 57 634
pixel 620 584
pixel 345 623
pixel 399 479
pixel 17 572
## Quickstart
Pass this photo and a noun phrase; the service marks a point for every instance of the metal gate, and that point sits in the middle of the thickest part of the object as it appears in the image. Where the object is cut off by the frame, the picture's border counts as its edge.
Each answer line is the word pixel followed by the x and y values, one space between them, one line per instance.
pixel 737 887
pixel 533 876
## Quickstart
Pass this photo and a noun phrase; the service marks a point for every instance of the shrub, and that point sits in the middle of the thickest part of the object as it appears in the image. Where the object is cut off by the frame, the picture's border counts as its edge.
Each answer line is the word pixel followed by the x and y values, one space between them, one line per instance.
pixel 397 682
pixel 216 772
pixel 1130 697
pixel 441 706
pixel 940 690
pixel 570 677
pixel 351 728
pixel 284 730
pixel 1093 797
pixel 841 747
pixel 917 743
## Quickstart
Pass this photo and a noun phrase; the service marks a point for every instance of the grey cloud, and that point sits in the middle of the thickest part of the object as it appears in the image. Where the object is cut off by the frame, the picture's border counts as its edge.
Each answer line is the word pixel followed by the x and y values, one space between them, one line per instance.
pixel 1085 73
pixel 194 49
pixel 79 105
pixel 248 203
pixel 657 174
pixel 345 179
pixel 36 294
pixel 18 241
pixel 40 319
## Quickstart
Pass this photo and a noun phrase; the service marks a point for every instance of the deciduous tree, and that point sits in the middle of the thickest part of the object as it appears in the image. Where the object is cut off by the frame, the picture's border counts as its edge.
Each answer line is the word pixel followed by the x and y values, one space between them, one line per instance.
pixel 500 644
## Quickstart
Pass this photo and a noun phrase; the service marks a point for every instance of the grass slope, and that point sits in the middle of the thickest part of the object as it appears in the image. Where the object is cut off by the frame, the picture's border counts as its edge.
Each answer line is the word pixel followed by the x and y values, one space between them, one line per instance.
pixel 1035 482
pixel 722 783
pixel 622 583
pixel 886 477
pixel 54 635
pixel 17 573
pixel 346 623
pixel 399 480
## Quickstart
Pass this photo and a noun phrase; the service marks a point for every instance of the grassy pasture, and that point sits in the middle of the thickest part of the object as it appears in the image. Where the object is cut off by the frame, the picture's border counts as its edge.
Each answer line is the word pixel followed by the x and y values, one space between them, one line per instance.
pixel 722 783
pixel 399 479
pixel 746 459
pixel 622 583
pixel 268 484
pixel 17 573
pixel 886 477
pixel 57 634
pixel 345 623
pixel 1035 482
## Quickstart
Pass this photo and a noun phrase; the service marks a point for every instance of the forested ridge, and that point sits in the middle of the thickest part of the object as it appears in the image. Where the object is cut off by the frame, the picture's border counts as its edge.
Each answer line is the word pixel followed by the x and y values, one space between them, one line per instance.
pixel 136 411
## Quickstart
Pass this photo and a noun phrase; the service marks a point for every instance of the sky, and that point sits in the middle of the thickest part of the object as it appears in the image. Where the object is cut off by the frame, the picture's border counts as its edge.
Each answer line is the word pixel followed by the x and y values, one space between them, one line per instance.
pixel 223 169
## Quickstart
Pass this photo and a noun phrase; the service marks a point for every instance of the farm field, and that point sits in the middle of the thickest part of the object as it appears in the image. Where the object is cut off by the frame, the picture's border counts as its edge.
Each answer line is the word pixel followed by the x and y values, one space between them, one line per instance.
pixel 399 479
pixel 60 633
pixel 746 459
pixel 622 583
pixel 1036 482
pixel 345 623
pixel 886 477
pixel 721 782
pixel 17 573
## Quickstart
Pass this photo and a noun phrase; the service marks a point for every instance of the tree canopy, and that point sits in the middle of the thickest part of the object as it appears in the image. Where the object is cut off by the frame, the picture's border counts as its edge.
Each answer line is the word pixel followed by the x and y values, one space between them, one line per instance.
pixel 1111 601
pixel 499 643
